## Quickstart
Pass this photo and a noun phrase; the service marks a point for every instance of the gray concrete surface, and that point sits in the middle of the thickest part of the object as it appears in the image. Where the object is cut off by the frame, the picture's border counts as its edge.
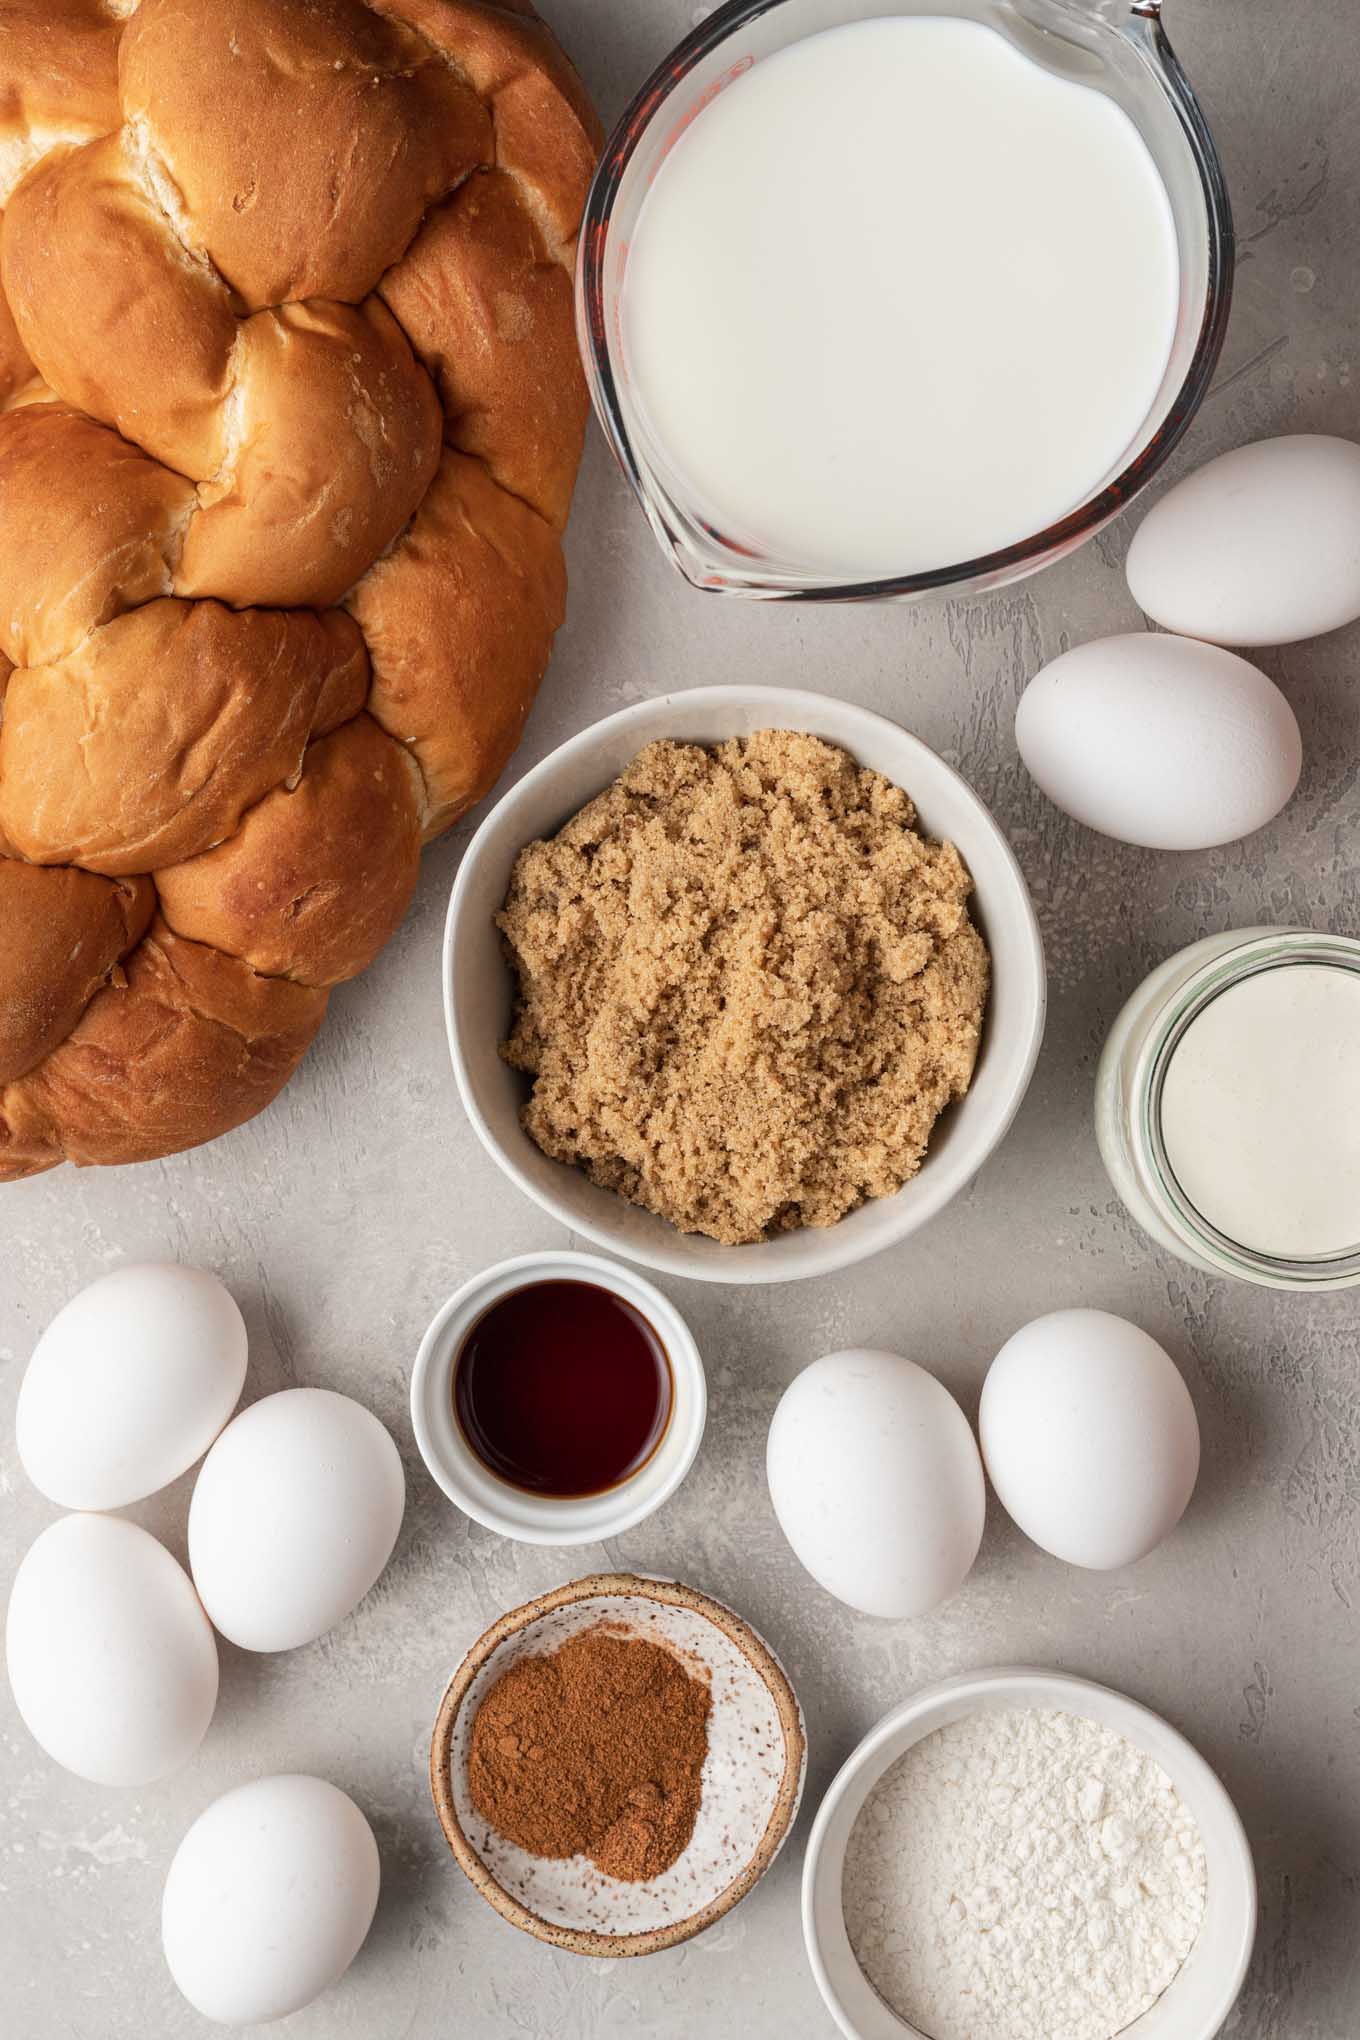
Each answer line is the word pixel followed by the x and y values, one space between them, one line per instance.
pixel 345 1215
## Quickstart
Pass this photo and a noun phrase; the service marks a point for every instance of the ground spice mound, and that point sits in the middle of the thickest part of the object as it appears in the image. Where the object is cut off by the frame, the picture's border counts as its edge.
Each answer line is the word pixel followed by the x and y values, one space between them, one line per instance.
pixel 597 1750
pixel 747 986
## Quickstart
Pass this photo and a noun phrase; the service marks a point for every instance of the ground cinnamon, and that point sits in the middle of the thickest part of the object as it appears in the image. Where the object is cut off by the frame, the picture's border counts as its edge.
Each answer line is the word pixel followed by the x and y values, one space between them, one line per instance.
pixel 597 1750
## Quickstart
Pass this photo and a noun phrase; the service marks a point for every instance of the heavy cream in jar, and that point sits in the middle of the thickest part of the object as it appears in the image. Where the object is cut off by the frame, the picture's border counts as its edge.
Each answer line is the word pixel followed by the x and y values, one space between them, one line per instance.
pixel 899 297
pixel 1228 1106
pixel 1260 1112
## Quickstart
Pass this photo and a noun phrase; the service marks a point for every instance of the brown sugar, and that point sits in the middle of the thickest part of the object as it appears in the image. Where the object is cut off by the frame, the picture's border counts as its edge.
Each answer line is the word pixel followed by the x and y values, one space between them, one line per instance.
pixel 596 1750
pixel 747 986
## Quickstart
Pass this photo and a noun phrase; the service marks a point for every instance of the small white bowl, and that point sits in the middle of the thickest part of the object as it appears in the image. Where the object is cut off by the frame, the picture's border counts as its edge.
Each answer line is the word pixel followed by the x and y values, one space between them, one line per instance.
pixel 550 1519
pixel 1205 1989
pixel 478 989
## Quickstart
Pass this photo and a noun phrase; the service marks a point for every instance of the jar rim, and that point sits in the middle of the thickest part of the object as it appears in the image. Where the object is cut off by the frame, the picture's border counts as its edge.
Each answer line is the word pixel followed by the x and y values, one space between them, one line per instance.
pixel 1273 949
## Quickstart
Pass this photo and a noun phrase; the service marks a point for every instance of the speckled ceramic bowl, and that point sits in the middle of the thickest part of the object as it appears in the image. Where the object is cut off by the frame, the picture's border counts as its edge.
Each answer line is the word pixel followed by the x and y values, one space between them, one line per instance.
pixel 752 1780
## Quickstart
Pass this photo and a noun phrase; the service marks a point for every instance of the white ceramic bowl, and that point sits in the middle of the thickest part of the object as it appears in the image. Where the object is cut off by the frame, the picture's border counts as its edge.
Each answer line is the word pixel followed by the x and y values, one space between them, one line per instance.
pixel 478 989
pixel 549 1519
pixel 1206 1988
pixel 752 1777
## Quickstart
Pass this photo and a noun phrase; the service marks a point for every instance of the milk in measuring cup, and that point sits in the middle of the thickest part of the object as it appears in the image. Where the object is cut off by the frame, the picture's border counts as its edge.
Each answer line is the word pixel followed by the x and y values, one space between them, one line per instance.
pixel 899 297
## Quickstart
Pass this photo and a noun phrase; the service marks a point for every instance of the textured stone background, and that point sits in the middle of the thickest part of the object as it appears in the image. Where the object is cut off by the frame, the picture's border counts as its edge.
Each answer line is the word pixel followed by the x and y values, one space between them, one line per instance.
pixel 345 1215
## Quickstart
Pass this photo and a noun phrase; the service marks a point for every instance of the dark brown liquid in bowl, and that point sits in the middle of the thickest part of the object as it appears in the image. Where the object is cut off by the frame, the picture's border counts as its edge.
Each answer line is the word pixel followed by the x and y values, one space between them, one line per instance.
pixel 562 1388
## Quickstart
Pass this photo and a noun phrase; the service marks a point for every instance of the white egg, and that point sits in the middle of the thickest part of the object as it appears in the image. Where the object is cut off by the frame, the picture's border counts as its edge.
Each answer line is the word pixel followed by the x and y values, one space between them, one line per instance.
pixel 1090 1437
pixel 1160 741
pixel 111 1659
pixel 876 1481
pixel 1259 547
pixel 268 1899
pixel 129 1385
pixel 293 1517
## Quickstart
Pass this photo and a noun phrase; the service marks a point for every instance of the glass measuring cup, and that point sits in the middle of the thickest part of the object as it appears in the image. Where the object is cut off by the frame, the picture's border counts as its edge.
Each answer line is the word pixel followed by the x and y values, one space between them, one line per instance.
pixel 1120 49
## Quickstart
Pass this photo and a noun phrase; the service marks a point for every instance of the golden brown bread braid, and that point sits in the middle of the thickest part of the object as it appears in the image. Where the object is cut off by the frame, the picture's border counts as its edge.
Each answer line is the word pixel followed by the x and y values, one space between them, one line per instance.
pixel 290 415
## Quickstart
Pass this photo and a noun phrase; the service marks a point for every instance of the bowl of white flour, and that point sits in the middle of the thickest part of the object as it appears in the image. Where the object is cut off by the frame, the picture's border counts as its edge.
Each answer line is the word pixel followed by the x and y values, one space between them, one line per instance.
pixel 1016 1855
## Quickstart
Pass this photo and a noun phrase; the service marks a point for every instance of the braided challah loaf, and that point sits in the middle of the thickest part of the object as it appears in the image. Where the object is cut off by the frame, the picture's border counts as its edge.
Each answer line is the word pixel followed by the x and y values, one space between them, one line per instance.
pixel 291 417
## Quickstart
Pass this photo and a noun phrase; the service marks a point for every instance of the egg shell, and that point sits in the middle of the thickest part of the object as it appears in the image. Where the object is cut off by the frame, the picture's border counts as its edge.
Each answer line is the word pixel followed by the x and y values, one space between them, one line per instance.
pixel 1160 741
pixel 294 1515
pixel 111 1659
pixel 129 1385
pixel 1090 1437
pixel 268 1899
pixel 1258 547
pixel 876 1482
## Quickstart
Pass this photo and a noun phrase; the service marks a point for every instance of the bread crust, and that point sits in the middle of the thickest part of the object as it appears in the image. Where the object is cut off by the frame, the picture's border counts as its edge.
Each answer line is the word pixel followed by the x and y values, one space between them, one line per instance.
pixel 290 415
pixel 16 370
pixel 373 125
pixel 111 308
pixel 335 437
pixel 66 933
pixel 160 773
pixel 490 315
pixel 459 620
pixel 286 892
pixel 181 1045
pixel 58 80
pixel 88 528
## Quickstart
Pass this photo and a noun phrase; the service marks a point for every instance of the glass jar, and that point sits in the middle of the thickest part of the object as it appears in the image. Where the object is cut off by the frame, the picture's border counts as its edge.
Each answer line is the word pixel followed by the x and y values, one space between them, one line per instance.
pixel 1118 46
pixel 1129 1087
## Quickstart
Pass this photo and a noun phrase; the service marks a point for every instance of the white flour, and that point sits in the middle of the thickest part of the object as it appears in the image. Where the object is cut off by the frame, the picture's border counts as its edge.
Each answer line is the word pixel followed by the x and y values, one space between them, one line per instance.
pixel 1023 1876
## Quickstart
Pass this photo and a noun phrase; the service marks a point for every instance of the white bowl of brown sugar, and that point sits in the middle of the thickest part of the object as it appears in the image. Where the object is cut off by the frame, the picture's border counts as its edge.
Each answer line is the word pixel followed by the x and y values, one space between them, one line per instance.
pixel 744 984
